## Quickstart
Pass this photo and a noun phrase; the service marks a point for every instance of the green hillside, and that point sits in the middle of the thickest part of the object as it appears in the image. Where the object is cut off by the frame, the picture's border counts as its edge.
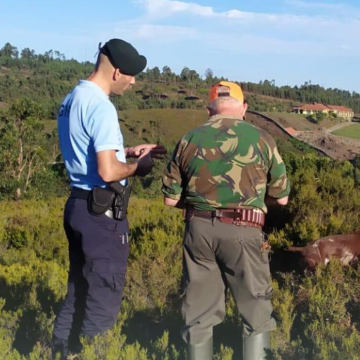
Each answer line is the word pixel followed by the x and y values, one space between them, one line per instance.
pixel 317 313
pixel 154 125
pixel 48 77
pixel 300 122
pixel 166 125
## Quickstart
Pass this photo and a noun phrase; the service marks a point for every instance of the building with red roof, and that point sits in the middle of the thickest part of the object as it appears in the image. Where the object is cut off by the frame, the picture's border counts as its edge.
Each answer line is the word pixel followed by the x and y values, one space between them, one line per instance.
pixel 340 111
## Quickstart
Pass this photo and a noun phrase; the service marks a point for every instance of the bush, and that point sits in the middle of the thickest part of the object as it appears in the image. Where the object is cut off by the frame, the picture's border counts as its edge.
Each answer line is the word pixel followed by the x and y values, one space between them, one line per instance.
pixel 317 314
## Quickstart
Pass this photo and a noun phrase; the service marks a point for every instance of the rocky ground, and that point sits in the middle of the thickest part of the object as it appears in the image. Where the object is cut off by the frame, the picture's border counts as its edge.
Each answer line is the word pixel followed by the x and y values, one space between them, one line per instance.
pixel 337 147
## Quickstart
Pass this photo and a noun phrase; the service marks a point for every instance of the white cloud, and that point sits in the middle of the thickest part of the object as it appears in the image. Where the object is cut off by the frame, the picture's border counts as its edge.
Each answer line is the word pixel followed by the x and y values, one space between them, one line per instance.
pixel 158 9
pixel 250 32
pixel 262 17
pixel 146 31
pixel 164 8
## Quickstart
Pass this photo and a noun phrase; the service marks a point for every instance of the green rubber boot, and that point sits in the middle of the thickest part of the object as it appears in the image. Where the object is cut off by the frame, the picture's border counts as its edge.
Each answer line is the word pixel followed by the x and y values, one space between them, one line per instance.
pixel 202 351
pixel 254 346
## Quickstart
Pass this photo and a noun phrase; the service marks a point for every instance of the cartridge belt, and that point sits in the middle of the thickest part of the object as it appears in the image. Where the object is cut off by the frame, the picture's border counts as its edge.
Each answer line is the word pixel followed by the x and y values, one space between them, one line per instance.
pixel 238 217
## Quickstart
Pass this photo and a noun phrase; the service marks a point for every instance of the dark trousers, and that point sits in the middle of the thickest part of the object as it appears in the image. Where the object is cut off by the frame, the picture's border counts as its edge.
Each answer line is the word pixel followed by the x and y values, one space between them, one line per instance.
pixel 98 252
pixel 218 256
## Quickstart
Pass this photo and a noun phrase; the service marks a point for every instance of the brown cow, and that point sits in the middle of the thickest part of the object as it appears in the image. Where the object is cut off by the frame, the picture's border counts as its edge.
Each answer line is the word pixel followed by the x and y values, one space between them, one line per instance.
pixel 346 248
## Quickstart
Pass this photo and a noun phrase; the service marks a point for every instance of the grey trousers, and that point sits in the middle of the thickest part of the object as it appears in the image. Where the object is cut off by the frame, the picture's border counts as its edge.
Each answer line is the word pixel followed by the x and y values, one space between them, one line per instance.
pixel 218 256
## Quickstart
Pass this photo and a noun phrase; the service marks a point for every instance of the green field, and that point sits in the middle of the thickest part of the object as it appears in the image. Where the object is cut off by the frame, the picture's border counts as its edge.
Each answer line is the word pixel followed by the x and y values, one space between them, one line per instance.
pixel 351 131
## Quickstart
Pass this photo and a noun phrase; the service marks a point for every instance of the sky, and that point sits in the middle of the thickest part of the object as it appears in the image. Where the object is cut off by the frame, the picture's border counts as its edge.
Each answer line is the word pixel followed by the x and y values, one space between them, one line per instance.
pixel 289 41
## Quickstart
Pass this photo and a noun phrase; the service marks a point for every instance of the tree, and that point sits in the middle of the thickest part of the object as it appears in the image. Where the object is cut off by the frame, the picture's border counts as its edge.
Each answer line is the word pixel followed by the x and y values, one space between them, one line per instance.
pixel 22 150
pixel 156 73
pixel 28 54
pixel 9 51
pixel 317 117
pixel 320 116
pixel 167 74
pixel 185 74
pixel 209 76
pixel 194 76
pixel 59 55
pixel 49 54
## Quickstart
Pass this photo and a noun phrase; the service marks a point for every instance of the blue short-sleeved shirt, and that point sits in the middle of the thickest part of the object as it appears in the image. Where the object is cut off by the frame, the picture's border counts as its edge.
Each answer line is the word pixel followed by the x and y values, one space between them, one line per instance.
pixel 88 123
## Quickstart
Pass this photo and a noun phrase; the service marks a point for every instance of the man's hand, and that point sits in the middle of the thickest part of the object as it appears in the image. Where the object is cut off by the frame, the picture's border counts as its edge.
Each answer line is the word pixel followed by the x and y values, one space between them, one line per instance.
pixel 111 169
pixel 156 151
pixel 175 203
pixel 270 201
pixel 144 163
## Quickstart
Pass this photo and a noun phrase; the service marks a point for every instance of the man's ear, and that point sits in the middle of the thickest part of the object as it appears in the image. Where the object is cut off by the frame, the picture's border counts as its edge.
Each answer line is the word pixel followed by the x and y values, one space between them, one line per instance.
pixel 116 74
pixel 245 106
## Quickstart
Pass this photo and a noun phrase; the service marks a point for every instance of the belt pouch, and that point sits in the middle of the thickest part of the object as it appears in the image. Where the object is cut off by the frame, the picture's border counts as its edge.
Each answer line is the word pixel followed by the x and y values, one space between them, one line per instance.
pixel 100 200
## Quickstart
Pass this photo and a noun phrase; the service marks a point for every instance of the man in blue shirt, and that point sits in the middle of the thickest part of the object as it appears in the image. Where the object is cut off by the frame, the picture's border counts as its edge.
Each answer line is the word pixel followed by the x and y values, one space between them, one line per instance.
pixel 92 147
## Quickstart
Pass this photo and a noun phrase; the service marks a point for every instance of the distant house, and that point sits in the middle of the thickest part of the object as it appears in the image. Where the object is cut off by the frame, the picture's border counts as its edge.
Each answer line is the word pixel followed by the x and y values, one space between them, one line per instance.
pixel 309 109
pixel 342 111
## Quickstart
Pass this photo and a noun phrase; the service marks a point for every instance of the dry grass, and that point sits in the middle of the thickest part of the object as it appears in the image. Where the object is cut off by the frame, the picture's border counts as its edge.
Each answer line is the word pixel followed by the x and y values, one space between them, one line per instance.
pixel 165 125
pixel 299 122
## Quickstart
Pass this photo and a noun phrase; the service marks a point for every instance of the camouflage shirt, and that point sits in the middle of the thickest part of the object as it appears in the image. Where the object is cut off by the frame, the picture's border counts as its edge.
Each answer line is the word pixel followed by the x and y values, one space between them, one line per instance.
pixel 226 163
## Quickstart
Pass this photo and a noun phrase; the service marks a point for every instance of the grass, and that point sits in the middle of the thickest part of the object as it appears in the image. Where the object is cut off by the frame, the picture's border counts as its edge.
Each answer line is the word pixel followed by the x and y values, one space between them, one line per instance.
pixel 166 126
pixel 351 131
pixel 300 122
pixel 297 122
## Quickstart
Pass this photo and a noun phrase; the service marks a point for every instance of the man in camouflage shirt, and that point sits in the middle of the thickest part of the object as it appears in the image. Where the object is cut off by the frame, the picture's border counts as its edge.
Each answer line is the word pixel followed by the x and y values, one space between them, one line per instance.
pixel 221 173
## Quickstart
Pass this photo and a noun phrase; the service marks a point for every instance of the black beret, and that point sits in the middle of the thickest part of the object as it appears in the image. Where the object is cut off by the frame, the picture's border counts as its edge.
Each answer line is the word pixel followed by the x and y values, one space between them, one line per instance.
pixel 124 56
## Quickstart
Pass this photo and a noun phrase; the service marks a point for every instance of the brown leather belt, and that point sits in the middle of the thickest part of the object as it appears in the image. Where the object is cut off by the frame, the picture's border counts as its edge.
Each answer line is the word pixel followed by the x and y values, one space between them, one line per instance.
pixel 238 217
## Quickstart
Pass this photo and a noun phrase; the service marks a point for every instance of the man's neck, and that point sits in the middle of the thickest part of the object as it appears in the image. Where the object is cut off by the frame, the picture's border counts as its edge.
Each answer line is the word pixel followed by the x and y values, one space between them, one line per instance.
pixel 98 79
pixel 225 116
pixel 230 112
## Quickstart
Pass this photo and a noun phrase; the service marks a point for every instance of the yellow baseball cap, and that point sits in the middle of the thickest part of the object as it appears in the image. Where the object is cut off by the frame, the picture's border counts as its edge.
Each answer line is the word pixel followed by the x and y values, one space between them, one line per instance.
pixel 226 88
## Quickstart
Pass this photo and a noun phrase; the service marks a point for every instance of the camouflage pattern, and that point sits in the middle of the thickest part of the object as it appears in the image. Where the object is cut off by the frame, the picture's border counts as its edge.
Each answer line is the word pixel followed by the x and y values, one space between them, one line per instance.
pixel 226 163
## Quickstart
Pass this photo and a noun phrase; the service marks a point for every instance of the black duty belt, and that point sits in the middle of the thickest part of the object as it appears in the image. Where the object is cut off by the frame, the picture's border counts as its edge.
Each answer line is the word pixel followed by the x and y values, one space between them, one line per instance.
pixel 85 195
pixel 80 193
pixel 239 216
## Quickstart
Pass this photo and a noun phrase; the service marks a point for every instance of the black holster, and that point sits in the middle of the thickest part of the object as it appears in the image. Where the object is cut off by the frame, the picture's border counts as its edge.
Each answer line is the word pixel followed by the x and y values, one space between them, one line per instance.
pixel 121 200
pixel 115 197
